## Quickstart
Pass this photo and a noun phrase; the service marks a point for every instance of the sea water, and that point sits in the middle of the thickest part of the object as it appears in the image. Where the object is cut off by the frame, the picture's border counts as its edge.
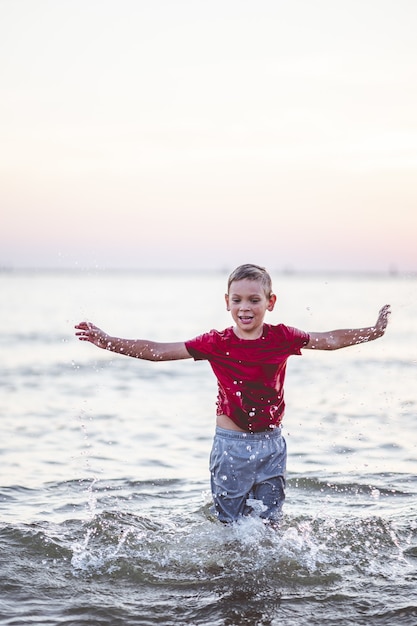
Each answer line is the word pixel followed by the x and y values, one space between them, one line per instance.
pixel 104 484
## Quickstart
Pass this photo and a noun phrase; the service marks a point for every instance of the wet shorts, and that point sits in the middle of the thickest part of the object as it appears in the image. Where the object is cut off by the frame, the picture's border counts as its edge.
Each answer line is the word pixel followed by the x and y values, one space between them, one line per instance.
pixel 248 474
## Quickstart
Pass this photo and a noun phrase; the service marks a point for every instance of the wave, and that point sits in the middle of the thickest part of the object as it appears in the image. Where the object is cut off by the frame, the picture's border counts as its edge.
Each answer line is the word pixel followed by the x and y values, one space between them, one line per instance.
pixel 149 552
pixel 172 546
pixel 373 485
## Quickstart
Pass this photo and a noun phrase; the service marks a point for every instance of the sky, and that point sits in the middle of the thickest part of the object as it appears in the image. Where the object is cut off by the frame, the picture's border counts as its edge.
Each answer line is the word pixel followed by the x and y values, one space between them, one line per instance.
pixel 201 134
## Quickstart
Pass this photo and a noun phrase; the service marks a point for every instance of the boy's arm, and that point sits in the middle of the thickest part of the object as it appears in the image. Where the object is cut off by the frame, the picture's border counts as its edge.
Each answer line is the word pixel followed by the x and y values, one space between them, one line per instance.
pixel 137 348
pixel 335 339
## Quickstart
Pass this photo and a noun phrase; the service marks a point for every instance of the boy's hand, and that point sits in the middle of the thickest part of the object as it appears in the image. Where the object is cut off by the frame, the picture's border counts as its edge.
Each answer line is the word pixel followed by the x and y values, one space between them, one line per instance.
pixel 93 334
pixel 382 321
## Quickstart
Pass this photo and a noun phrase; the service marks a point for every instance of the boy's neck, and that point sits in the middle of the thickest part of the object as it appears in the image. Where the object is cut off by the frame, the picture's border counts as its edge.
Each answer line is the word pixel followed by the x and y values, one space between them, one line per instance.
pixel 250 335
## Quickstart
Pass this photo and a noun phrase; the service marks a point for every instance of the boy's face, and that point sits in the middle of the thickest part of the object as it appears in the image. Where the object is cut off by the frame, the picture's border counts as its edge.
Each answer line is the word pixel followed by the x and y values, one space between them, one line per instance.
pixel 248 303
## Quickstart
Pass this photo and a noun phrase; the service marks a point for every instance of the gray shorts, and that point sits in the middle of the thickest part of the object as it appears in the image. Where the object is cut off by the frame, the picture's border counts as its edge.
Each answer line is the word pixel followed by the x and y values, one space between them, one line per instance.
pixel 248 474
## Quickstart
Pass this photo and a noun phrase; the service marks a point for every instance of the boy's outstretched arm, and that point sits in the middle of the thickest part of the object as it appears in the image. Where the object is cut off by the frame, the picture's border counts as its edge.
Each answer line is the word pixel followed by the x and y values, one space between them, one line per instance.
pixel 335 339
pixel 137 348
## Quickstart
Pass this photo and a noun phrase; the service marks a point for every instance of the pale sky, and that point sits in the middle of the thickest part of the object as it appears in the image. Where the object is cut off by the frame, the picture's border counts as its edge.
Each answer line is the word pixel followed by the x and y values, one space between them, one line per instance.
pixel 203 134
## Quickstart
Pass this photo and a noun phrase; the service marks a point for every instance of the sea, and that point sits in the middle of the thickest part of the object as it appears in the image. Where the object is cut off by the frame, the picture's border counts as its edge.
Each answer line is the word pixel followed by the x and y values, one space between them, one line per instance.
pixel 105 506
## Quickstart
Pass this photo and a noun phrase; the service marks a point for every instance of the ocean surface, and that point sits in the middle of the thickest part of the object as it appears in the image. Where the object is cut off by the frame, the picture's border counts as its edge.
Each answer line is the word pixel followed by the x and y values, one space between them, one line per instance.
pixel 104 484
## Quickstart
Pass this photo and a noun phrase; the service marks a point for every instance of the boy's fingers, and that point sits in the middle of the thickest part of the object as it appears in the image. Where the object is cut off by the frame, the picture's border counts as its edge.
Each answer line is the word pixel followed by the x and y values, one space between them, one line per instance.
pixel 85 326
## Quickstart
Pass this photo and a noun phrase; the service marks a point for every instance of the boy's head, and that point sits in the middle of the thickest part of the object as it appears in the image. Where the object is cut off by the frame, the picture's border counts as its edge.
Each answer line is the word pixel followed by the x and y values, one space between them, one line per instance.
pixel 249 296
pixel 252 272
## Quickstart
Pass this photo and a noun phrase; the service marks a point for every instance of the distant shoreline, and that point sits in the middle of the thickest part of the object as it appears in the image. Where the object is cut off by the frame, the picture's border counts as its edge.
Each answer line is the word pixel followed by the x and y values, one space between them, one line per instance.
pixel 394 273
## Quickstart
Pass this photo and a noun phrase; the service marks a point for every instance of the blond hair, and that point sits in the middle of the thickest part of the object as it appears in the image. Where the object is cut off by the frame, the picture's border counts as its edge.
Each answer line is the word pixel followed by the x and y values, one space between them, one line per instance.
pixel 252 272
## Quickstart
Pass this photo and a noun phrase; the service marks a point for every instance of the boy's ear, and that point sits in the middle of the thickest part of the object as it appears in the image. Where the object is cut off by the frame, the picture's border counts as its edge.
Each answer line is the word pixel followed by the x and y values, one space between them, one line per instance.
pixel 226 297
pixel 272 302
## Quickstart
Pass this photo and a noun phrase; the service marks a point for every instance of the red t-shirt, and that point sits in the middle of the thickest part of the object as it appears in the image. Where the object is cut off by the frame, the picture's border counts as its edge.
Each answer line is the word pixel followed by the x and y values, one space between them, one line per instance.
pixel 250 373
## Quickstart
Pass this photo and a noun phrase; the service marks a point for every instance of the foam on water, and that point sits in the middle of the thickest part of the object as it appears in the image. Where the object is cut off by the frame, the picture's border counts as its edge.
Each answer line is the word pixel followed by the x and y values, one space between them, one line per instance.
pixel 178 561
pixel 192 546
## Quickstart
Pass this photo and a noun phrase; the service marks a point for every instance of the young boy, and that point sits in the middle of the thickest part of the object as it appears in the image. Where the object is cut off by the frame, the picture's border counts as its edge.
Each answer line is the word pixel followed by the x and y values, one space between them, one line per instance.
pixel 248 458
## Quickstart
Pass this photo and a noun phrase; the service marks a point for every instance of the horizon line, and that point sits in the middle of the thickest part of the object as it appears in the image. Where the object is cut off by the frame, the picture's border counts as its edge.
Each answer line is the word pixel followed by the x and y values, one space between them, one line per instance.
pixel 288 271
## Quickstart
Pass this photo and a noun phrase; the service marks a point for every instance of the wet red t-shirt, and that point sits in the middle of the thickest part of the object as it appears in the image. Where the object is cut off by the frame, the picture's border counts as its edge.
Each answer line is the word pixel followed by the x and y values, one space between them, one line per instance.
pixel 250 373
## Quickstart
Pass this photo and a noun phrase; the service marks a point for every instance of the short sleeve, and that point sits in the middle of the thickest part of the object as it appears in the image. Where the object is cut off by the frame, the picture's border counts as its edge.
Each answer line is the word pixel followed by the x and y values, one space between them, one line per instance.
pixel 202 346
pixel 295 338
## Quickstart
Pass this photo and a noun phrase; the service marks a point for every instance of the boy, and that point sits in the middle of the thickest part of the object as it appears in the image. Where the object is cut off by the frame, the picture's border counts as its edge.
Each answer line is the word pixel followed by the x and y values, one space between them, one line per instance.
pixel 248 457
